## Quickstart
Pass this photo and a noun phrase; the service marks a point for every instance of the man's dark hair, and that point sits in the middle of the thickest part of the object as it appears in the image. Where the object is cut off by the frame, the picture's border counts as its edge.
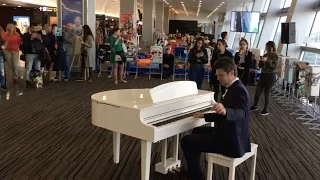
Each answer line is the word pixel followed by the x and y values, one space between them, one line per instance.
pixel 224 34
pixel 227 64
pixel 33 24
pixel 14 23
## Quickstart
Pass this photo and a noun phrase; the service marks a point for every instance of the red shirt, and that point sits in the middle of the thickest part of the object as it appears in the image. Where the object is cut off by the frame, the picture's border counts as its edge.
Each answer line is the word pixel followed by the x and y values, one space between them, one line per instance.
pixel 13 41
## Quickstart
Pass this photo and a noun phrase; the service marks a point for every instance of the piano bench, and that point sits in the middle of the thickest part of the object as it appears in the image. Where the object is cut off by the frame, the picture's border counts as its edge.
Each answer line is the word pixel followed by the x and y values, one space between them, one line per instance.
pixel 232 163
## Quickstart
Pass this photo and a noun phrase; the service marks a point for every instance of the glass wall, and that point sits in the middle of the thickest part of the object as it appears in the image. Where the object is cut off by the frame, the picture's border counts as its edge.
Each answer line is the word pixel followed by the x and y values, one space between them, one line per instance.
pixel 312 58
pixel 256 37
pixel 287 3
pixel 266 6
pixel 314 39
pixel 277 36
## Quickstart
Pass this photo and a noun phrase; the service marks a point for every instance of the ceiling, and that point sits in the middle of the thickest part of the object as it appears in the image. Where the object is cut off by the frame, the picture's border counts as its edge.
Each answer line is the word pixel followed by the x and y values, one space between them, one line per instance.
pixel 111 7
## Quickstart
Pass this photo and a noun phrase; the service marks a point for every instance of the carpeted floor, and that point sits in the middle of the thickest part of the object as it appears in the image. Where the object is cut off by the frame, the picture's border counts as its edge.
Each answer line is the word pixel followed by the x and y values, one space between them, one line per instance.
pixel 47 134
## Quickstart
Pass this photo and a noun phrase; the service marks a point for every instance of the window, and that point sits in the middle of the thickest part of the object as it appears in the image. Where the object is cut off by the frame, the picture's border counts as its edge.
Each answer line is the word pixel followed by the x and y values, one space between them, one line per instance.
pixel 314 38
pixel 312 58
pixel 277 36
pixel 256 37
pixel 266 6
pixel 287 3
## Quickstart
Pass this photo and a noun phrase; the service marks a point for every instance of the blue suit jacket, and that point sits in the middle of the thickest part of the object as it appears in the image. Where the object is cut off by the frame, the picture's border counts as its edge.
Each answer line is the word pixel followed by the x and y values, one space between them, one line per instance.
pixel 232 130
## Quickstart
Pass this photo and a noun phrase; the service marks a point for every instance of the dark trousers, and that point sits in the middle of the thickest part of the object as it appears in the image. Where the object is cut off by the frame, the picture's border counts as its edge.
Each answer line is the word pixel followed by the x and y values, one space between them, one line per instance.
pixel 266 82
pixel 197 74
pixel 97 58
pixel 201 140
pixel 166 71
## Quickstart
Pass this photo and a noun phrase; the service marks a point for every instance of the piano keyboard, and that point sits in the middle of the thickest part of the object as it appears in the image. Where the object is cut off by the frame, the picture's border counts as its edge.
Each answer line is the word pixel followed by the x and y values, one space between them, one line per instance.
pixel 179 118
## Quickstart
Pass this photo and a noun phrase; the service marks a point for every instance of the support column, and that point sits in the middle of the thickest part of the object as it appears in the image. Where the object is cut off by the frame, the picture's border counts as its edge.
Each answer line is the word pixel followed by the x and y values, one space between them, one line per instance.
pixel 302 13
pixel 159 16
pixel 270 23
pixel 129 7
pixel 166 20
pixel 90 20
pixel 148 22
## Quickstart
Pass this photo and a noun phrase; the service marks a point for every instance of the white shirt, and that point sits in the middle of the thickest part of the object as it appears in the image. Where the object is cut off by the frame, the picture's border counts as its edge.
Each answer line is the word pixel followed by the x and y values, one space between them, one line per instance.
pixel 236 79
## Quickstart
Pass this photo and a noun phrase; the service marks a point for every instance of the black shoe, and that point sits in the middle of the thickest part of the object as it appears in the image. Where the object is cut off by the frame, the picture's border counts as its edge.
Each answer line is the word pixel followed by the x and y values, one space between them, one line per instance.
pixel 4 88
pixel 28 84
pixel 254 108
pixel 264 113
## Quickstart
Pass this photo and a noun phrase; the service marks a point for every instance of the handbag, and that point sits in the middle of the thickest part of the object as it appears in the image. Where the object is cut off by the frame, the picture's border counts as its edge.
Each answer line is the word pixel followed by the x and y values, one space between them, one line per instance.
pixel 122 56
pixel 23 57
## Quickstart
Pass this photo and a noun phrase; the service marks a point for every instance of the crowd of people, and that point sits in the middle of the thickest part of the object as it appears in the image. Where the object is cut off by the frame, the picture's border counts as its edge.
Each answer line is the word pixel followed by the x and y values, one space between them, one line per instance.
pixel 42 49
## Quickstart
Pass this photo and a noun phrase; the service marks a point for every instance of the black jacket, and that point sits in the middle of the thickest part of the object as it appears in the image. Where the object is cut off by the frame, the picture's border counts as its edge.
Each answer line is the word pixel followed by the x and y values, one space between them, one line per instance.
pixel 193 59
pixel 29 46
pixel 232 130
pixel 248 63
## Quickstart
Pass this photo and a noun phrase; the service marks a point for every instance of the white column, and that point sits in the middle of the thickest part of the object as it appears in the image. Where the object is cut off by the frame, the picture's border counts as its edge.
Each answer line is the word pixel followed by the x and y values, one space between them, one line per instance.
pixel 270 23
pixel 166 20
pixel 129 7
pixel 302 13
pixel 171 15
pixel 90 20
pixel 148 21
pixel 159 15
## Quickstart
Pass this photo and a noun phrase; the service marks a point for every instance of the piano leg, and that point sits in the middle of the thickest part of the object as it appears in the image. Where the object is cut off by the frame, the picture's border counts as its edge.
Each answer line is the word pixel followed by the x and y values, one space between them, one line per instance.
pixel 116 147
pixel 145 159
pixel 171 164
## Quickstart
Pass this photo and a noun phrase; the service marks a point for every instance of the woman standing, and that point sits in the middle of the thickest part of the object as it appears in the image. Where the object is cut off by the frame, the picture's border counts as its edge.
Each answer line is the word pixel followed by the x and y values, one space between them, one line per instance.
pixel 268 63
pixel 87 52
pixel 117 56
pixel 11 52
pixel 244 61
pixel 198 58
pixel 49 43
pixel 218 53
pixel 2 71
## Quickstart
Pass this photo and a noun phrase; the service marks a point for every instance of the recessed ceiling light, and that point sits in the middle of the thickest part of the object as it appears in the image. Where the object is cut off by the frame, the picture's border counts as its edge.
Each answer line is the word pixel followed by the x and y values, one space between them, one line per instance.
pixel 19 6
pixel 222 2
pixel 3 4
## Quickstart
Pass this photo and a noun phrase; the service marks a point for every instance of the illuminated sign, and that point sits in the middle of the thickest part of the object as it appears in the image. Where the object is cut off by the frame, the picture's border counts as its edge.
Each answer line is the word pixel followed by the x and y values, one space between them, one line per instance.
pixel 48 9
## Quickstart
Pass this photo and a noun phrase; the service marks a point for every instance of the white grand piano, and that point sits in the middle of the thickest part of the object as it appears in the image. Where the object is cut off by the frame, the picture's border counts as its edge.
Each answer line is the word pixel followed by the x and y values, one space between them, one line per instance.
pixel 151 115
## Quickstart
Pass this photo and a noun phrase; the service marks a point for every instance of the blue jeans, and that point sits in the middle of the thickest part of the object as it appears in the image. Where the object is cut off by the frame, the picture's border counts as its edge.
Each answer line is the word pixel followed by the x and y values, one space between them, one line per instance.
pixel 2 74
pixel 67 68
pixel 197 74
pixel 32 60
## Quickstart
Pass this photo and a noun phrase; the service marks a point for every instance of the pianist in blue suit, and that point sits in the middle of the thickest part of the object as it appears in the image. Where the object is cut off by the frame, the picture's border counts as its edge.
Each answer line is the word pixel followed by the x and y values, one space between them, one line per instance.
pixel 230 134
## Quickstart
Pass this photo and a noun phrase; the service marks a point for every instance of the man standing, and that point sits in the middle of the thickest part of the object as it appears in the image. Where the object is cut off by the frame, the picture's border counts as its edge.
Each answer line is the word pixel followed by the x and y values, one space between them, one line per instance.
pixel 70 40
pixel 230 134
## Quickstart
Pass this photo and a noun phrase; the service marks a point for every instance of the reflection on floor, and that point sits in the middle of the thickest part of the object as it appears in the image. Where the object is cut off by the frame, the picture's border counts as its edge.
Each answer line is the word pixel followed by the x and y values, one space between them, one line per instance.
pixel 47 134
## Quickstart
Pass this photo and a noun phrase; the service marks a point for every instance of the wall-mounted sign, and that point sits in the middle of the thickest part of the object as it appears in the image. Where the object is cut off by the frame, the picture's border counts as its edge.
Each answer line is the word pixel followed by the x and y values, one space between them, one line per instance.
pixel 48 9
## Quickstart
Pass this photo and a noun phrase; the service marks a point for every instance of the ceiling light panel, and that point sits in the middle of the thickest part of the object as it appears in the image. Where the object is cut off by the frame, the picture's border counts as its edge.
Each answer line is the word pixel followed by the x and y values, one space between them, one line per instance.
pixel 184 8
pixel 199 7
pixel 216 9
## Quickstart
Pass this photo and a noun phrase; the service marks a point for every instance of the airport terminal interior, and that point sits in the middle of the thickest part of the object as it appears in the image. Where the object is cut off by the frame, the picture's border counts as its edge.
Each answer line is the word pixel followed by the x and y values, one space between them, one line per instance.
pixel 115 89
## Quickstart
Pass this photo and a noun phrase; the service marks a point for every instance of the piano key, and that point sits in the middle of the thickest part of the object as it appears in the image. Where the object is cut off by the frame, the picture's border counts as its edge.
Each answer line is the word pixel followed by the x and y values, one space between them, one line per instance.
pixel 179 118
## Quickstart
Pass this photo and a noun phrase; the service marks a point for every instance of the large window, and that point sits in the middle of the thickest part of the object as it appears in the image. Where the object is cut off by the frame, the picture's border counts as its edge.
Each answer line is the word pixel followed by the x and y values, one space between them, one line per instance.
pixel 277 36
pixel 256 37
pixel 287 3
pixel 266 6
pixel 312 58
pixel 314 39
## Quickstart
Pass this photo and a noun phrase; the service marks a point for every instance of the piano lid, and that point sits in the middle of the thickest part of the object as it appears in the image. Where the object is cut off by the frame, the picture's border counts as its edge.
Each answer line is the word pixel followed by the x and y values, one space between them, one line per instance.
pixel 146 98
